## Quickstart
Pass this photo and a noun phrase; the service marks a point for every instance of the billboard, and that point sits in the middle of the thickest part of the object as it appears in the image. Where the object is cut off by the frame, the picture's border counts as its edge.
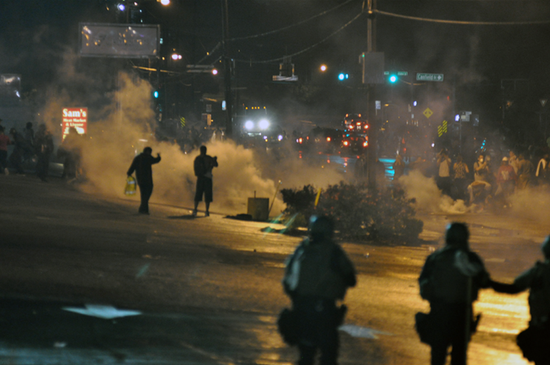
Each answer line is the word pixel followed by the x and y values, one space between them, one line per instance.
pixel 119 40
pixel 75 117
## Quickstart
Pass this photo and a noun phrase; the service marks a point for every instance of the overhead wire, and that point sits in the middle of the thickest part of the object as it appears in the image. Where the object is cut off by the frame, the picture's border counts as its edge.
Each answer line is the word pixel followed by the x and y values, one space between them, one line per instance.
pixel 307 48
pixel 459 22
pixel 292 25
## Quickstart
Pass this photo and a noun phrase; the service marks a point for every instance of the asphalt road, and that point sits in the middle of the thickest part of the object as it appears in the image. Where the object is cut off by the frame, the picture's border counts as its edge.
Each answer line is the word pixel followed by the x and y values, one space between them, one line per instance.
pixel 208 289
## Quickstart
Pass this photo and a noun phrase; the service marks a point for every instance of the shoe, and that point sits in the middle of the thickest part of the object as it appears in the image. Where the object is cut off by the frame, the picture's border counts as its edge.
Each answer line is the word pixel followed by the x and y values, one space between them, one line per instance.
pixel 207 214
pixel 194 214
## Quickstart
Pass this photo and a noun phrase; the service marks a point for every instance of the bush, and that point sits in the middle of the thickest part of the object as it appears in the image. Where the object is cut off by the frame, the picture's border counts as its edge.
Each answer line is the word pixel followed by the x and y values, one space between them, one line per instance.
pixel 358 214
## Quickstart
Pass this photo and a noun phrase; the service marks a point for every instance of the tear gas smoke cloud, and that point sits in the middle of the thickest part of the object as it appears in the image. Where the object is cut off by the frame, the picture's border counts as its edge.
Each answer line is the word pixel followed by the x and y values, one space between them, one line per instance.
pixel 428 197
pixel 532 204
pixel 126 129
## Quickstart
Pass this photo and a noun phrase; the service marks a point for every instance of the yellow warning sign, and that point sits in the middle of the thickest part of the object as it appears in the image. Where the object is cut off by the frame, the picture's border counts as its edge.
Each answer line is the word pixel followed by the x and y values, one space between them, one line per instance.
pixel 428 112
pixel 441 129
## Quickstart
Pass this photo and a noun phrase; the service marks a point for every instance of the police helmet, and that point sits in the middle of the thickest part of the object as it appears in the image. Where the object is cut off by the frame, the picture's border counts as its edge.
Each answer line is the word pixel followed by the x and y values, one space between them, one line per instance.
pixel 457 234
pixel 321 226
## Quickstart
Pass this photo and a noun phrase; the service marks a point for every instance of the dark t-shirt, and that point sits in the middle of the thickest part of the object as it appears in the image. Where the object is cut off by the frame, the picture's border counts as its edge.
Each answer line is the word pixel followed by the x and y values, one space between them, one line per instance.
pixel 142 166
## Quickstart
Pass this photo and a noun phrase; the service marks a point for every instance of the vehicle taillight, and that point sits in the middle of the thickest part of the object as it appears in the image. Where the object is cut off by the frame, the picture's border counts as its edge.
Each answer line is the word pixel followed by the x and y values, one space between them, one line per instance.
pixel 346 143
pixel 328 139
pixel 365 144
pixel 300 140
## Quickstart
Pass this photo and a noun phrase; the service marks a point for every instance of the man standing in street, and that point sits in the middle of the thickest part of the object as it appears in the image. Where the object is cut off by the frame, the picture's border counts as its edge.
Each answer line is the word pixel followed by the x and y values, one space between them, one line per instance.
pixel 318 274
pixel 450 281
pixel 144 174
pixel 203 166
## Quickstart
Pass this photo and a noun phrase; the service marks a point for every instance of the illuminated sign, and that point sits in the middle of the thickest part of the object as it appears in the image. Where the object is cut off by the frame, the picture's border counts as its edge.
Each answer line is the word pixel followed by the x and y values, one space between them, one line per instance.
pixel 75 117
pixel 119 40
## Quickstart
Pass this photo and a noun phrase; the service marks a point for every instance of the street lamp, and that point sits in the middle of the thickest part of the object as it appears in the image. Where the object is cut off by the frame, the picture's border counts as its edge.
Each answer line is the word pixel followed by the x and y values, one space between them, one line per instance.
pixel 164 2
pixel 323 68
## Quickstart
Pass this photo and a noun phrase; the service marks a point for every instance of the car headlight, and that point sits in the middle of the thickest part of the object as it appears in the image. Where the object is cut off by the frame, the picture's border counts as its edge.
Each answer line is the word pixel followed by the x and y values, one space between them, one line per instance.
pixel 264 124
pixel 280 137
pixel 249 125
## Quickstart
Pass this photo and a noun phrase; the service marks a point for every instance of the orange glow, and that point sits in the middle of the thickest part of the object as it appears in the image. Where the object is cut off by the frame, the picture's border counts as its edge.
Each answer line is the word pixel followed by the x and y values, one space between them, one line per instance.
pixel 328 139
pixel 346 143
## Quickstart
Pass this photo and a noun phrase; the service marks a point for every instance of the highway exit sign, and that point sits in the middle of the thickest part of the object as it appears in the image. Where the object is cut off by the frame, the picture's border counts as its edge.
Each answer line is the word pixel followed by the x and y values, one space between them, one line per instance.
pixel 429 77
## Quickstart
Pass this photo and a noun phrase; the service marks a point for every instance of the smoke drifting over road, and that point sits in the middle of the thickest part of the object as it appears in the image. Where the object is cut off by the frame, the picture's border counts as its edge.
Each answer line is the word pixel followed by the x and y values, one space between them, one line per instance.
pixel 125 126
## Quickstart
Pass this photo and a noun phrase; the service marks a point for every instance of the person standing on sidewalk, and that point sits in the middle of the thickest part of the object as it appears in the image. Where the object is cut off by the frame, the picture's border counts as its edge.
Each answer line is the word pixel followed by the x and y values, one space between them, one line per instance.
pixel 535 340
pixel 450 281
pixel 317 275
pixel 203 166
pixel 44 148
pixel 144 175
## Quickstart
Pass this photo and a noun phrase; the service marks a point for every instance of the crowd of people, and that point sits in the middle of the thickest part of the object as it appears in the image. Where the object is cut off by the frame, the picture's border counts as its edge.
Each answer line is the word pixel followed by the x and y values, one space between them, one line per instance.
pixel 487 179
pixel 33 152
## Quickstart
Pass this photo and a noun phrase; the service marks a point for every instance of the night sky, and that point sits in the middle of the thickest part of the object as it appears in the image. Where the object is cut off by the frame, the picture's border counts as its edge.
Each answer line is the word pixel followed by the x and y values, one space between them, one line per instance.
pixel 37 35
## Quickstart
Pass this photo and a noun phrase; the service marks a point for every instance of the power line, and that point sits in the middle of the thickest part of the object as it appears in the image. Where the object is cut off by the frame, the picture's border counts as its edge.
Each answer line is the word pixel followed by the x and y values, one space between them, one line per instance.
pixel 308 48
pixel 292 25
pixel 459 22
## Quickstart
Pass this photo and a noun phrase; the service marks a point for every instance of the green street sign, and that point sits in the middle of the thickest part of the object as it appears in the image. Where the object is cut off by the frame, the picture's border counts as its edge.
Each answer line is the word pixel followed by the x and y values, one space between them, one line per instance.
pixel 399 73
pixel 429 77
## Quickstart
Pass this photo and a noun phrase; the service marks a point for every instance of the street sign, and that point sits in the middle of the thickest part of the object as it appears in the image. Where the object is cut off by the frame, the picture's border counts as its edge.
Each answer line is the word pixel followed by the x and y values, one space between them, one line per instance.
pixel 428 113
pixel 399 73
pixel 429 77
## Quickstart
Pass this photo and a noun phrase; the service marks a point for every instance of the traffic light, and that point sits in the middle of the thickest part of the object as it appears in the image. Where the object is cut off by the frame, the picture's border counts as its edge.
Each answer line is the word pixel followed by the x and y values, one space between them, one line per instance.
pixel 343 76
pixel 393 78
pixel 156 94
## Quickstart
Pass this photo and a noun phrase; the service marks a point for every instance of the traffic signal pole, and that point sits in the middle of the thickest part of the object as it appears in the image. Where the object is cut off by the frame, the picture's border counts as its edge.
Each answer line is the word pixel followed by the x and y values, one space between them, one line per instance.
pixel 227 71
pixel 371 97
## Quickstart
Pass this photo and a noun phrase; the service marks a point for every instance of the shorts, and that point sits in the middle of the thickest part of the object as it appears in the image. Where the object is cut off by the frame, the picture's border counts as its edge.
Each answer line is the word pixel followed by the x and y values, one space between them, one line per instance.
pixel 204 186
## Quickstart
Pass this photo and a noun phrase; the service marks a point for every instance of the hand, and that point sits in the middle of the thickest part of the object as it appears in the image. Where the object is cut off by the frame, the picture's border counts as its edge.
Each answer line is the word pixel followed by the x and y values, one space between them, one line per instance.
pixel 158 154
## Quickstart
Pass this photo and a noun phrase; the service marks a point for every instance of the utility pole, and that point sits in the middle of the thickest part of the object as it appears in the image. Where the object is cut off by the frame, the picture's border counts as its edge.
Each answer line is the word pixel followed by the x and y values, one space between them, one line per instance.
pixel 371 95
pixel 227 71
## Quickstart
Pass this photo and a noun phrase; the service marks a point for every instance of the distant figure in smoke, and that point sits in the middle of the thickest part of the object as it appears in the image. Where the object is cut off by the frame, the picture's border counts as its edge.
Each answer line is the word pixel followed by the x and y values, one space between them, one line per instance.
pixel 535 340
pixel 28 134
pixel 480 187
pixel 506 181
pixel 317 275
pixel 144 175
pixel 444 172
pixel 16 157
pixel 398 168
pixel 460 171
pixel 4 142
pixel 44 148
pixel 513 161
pixel 525 172
pixel 360 171
pixel 450 281
pixel 543 170
pixel 203 166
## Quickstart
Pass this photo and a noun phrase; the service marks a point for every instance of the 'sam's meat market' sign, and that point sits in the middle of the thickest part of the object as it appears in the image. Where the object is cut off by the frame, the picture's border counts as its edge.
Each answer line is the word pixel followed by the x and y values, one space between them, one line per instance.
pixel 77 118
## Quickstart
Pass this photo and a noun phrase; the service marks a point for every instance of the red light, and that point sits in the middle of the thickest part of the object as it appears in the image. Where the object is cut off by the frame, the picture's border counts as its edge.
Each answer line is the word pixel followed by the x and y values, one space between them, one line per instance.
pixel 358 123
pixel 346 143
pixel 366 126
pixel 365 144
pixel 351 126
pixel 359 115
pixel 300 140
pixel 328 139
